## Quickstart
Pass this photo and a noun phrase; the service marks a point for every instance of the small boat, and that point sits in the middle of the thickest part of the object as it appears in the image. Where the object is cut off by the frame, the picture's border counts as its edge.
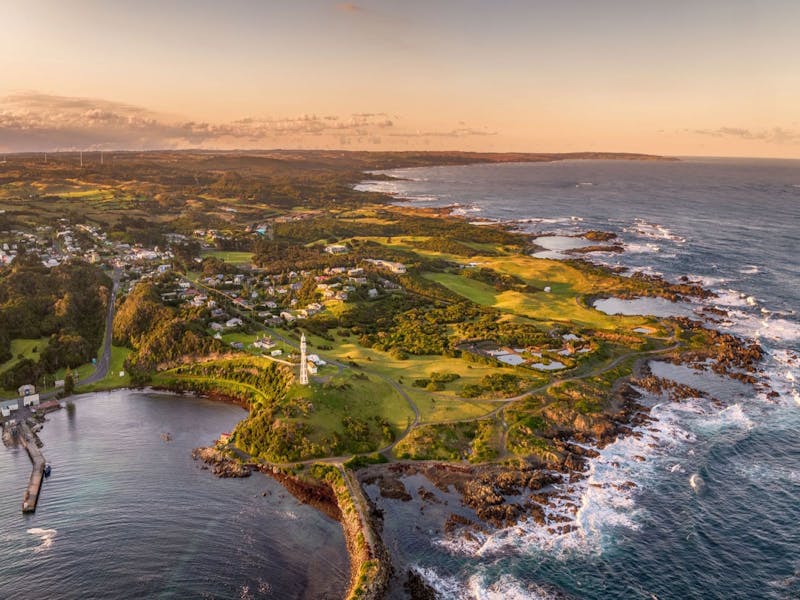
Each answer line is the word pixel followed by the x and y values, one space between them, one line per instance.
pixel 47 470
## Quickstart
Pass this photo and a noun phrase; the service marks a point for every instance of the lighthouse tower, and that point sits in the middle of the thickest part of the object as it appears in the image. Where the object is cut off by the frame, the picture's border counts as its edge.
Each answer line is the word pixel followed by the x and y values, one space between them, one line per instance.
pixel 303 361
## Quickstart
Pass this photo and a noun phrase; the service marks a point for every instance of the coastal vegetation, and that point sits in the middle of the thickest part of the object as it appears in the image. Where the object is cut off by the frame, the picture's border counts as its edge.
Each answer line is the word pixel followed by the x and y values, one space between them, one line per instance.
pixel 50 319
pixel 432 339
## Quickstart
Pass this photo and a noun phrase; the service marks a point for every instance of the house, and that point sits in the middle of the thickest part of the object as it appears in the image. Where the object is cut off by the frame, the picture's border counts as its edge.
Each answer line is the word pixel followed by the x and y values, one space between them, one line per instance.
pixel 314 358
pixel 30 400
pixel 312 368
pixel 217 326
pixel 26 390
pixel 336 249
pixel 394 267
pixel 234 322
pixel 287 316
pixel 276 352
pixel 372 293
pixel 264 344
pixel 237 345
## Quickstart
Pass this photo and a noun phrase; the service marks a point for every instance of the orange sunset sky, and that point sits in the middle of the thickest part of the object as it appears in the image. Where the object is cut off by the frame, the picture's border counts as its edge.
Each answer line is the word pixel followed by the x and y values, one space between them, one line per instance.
pixel 681 78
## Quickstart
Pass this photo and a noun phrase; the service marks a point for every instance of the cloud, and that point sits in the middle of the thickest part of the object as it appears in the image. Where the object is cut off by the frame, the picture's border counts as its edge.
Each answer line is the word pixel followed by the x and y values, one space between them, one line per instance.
pixel 350 7
pixel 775 135
pixel 459 132
pixel 32 121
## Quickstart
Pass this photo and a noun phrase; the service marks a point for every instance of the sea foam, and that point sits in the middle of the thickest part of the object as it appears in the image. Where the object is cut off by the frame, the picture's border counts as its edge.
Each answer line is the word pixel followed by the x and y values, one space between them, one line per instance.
pixel 46 536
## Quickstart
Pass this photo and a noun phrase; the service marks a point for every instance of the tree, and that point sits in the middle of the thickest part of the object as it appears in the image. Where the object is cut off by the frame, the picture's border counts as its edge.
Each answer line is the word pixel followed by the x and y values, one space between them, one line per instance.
pixel 69 382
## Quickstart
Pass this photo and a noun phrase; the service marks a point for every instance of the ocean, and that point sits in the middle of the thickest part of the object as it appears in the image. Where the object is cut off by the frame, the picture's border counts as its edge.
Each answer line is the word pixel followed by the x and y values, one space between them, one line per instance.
pixel 716 504
pixel 128 514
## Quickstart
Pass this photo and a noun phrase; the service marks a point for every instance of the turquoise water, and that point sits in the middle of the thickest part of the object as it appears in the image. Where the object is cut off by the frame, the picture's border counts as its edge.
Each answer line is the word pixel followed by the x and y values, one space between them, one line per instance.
pixel 126 514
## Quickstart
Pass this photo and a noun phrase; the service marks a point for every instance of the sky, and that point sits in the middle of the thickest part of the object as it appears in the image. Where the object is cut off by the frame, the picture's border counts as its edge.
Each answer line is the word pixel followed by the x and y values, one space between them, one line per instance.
pixel 700 77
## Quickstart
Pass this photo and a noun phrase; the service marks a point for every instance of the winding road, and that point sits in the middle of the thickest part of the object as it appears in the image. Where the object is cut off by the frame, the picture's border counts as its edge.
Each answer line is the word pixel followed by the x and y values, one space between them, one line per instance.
pixel 104 362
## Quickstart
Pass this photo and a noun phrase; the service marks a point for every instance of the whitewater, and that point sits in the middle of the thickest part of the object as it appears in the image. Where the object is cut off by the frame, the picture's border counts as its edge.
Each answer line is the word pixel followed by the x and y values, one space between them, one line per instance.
pixel 704 501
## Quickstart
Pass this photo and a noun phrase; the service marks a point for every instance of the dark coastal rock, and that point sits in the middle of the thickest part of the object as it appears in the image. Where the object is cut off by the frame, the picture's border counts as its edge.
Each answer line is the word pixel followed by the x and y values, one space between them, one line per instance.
pixel 455 522
pixel 617 248
pixel 600 236
pixel 428 496
pixel 393 487
pixel 220 464
pixel 417 589
pixel 729 355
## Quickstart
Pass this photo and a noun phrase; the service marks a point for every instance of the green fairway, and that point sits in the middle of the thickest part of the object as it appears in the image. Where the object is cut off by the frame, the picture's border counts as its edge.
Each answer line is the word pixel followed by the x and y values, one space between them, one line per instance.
pixel 477 291
pixel 561 304
pixel 434 408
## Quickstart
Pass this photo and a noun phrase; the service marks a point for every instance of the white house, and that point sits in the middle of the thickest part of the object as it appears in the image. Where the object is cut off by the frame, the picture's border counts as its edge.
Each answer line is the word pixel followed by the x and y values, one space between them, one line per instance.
pixel 336 249
pixel 30 400
pixel 314 358
pixel 25 390
pixel 234 322
pixel 394 267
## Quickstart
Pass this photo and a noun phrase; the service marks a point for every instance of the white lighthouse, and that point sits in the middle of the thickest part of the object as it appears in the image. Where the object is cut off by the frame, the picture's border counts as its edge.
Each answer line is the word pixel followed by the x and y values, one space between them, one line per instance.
pixel 303 361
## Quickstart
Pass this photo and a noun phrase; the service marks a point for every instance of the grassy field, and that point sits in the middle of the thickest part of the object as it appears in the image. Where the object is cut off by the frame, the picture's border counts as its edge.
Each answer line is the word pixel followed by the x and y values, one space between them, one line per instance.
pixel 561 304
pixel 406 371
pixel 248 338
pixel 230 256
pixel 438 407
pixel 24 348
pixel 112 380
pixel 477 291
pixel 364 398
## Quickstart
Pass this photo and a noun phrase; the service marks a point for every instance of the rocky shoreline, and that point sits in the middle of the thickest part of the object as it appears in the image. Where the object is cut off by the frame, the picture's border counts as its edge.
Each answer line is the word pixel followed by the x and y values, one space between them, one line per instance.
pixel 542 490
pixel 221 464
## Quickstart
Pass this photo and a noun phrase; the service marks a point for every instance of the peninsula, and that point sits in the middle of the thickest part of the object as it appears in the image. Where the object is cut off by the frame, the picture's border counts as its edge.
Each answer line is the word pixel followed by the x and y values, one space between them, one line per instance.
pixel 434 346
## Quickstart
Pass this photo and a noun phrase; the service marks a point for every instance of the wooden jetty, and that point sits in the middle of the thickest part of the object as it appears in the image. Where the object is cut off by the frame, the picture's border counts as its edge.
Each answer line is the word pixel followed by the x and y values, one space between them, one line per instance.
pixel 31 497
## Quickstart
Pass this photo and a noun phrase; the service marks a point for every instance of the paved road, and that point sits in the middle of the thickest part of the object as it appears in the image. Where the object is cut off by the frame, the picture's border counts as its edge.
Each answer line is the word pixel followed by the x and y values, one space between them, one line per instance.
pixel 103 364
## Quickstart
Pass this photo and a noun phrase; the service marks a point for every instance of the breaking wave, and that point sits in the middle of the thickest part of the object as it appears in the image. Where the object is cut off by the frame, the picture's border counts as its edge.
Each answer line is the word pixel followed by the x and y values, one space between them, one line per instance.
pixel 46 537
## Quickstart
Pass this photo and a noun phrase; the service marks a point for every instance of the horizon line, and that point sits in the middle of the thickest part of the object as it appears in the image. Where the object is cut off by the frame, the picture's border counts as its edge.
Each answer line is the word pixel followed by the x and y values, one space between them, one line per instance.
pixel 22 153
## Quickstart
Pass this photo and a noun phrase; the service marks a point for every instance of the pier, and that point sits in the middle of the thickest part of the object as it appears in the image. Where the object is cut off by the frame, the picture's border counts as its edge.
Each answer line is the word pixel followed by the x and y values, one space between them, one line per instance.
pixel 31 497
